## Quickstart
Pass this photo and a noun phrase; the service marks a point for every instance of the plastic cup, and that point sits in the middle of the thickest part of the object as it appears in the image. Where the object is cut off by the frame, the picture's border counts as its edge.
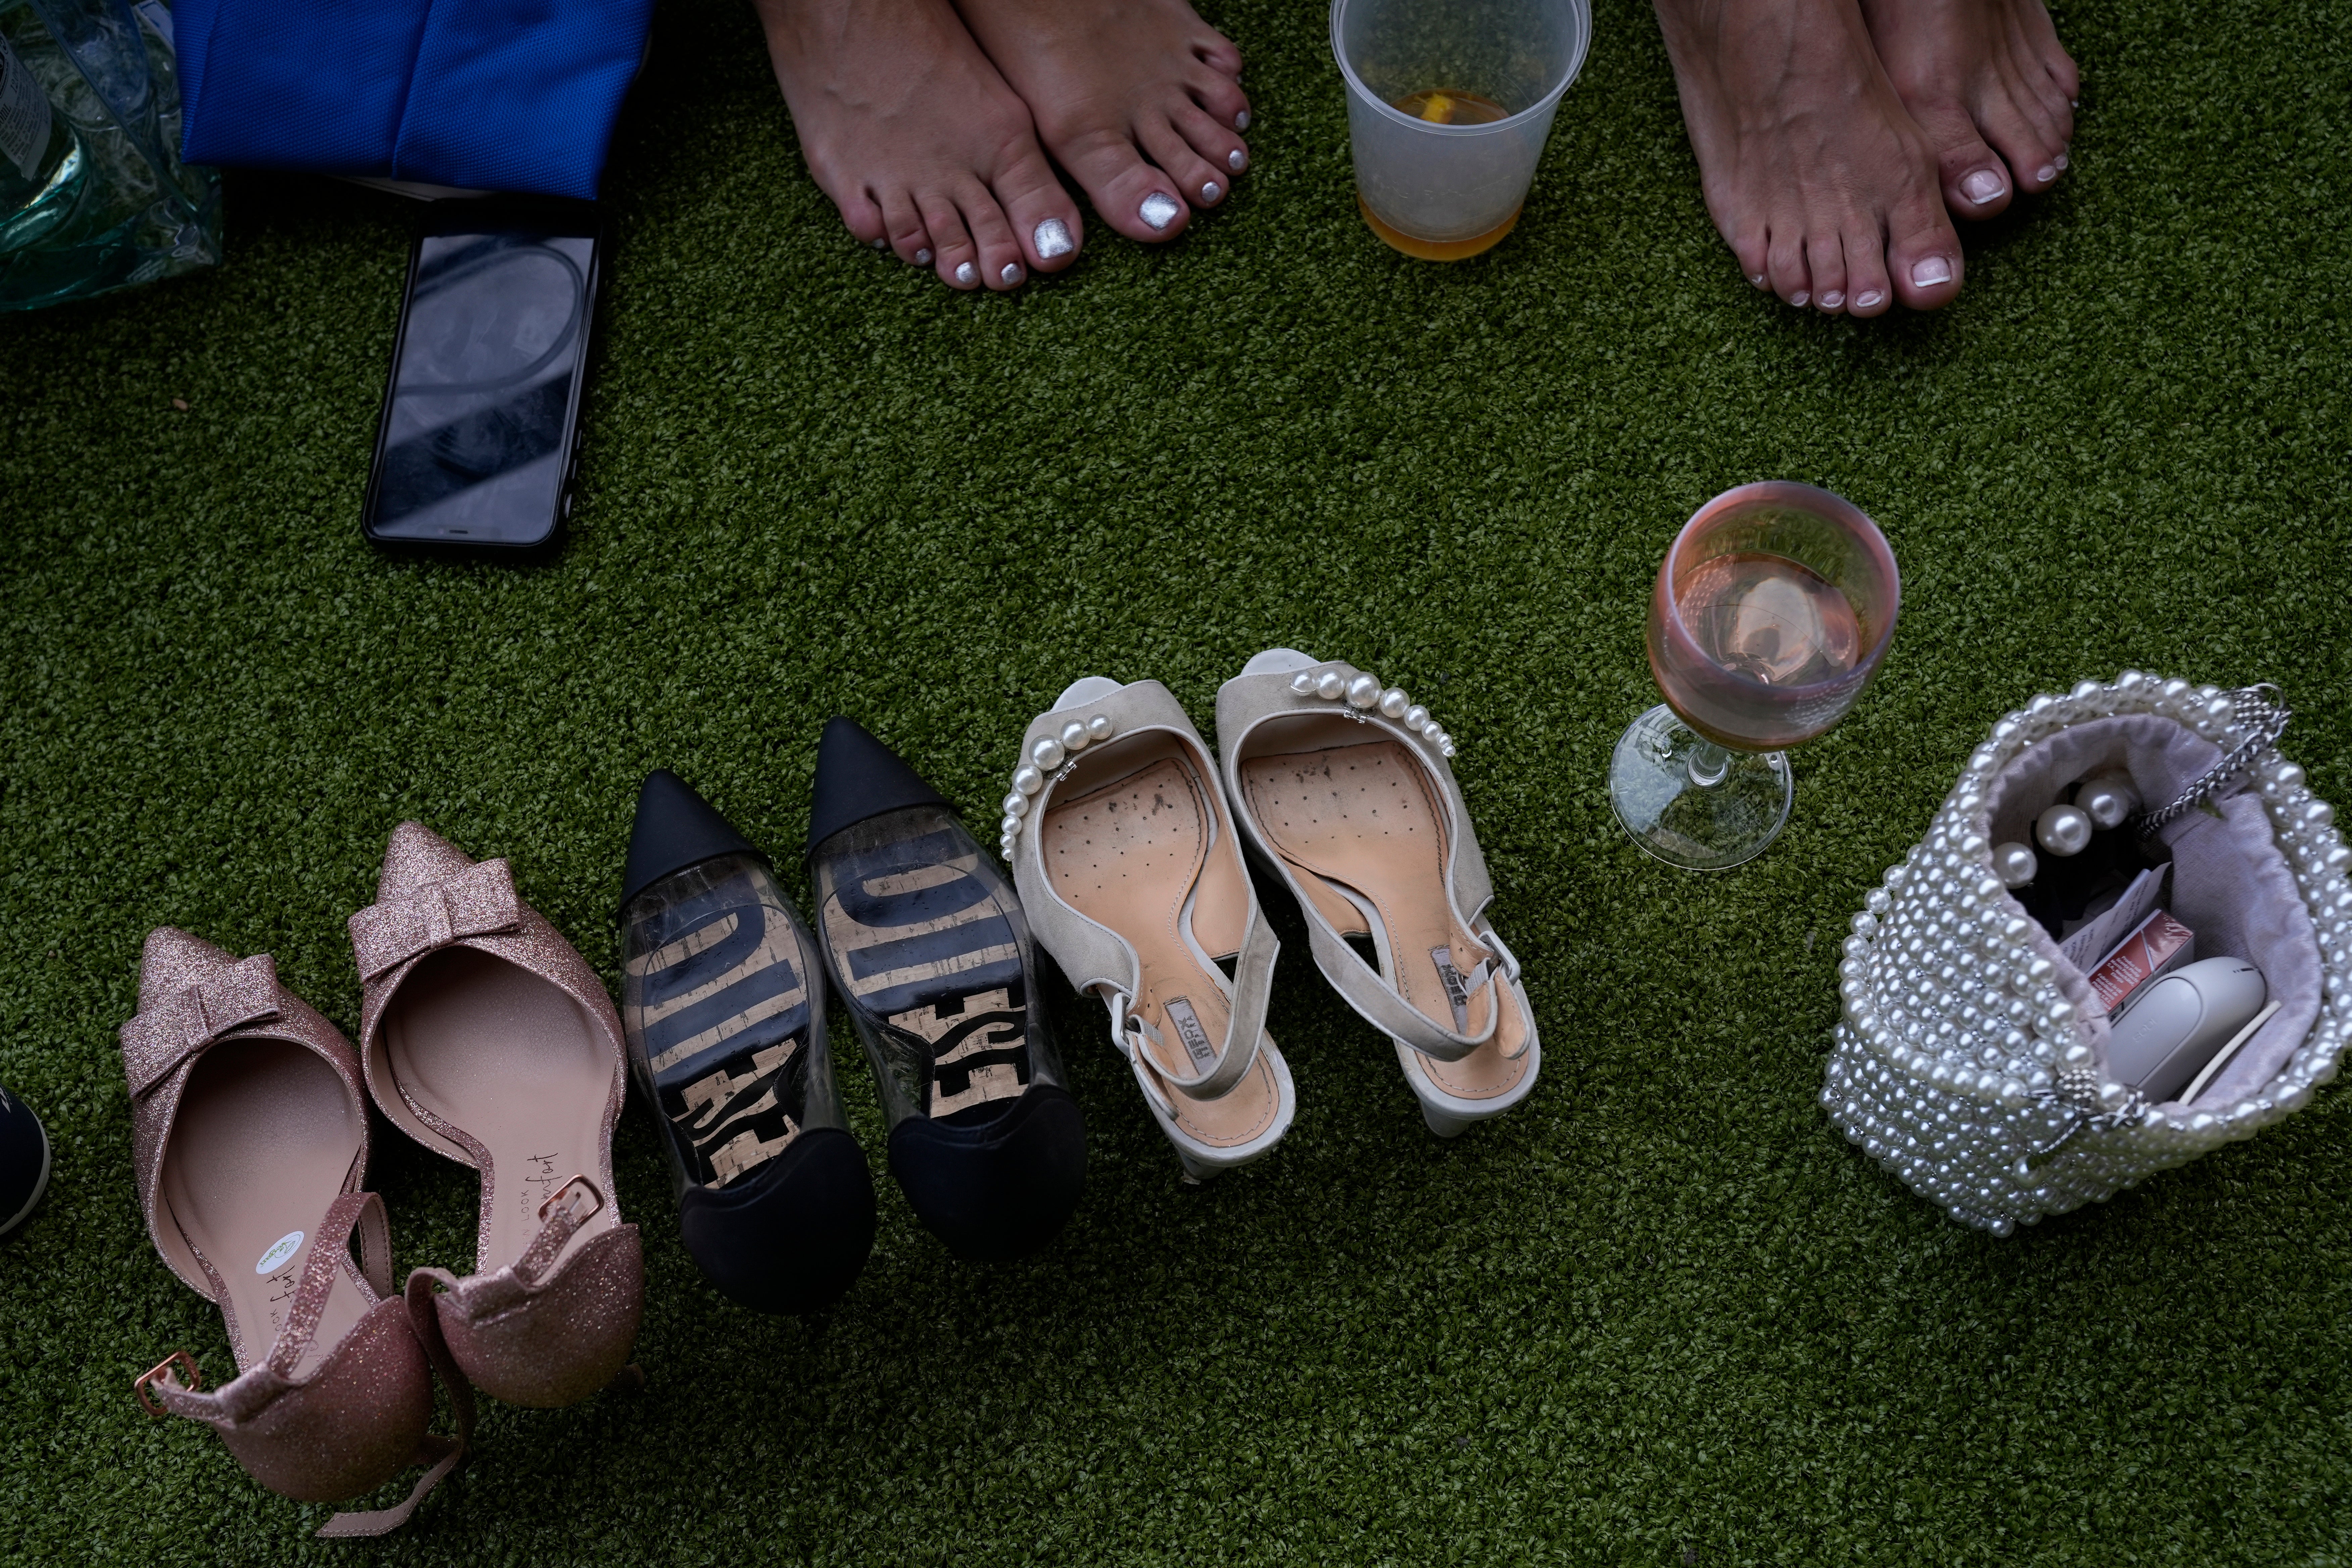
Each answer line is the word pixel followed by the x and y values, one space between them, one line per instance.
pixel 1445 191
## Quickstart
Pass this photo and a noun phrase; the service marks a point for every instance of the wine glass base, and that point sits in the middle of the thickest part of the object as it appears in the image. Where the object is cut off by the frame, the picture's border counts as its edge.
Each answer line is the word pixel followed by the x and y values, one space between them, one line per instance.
pixel 1655 788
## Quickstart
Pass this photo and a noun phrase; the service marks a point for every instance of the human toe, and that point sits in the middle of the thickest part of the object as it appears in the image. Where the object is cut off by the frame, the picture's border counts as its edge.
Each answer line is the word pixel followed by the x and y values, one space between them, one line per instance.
pixel 1001 262
pixel 903 229
pixel 1039 215
pixel 1825 268
pixel 1137 200
pixel 1202 183
pixel 1867 292
pixel 1923 255
pixel 954 253
pixel 1219 98
pixel 1785 268
pixel 1224 151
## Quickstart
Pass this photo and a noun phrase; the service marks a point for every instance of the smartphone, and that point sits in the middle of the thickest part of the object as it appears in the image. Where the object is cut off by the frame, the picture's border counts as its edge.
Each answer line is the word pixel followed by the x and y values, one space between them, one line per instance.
pixel 479 437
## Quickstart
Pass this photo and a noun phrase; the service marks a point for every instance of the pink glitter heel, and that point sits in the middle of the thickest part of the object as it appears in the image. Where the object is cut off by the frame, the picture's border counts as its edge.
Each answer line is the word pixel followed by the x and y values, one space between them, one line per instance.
pixel 249 1130
pixel 488 1038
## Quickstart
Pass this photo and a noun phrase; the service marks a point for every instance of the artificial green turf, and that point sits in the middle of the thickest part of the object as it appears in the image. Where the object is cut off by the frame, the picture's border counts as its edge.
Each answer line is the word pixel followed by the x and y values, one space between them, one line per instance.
pixel 1660 1314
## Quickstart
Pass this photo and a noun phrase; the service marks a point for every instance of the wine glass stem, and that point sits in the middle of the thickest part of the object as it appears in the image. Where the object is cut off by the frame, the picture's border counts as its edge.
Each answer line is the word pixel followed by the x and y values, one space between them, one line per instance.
pixel 1709 764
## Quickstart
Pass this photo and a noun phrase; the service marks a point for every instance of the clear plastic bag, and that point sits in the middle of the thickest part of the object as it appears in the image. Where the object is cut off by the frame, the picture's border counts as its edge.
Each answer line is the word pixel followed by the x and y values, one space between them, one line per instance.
pixel 93 195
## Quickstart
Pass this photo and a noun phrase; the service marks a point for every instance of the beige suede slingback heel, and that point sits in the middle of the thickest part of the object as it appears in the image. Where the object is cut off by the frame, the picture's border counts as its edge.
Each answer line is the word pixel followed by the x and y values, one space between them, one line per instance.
pixel 1126 860
pixel 1345 789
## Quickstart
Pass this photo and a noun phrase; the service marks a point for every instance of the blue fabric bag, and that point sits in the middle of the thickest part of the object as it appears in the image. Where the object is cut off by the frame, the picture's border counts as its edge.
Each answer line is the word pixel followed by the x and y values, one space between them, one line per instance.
pixel 495 95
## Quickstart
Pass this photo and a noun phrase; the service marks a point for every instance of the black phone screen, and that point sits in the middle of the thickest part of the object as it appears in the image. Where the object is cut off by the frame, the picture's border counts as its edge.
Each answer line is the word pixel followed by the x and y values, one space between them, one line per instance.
pixel 477 423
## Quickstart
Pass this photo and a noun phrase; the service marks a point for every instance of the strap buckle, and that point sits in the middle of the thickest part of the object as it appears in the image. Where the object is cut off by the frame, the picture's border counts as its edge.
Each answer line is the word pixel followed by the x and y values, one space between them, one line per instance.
pixel 569 1195
pixel 179 1359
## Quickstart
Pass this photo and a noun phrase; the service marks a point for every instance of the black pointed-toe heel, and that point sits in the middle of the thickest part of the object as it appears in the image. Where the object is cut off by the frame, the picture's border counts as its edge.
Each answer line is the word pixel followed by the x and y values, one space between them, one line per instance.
pixel 930 954
pixel 723 1006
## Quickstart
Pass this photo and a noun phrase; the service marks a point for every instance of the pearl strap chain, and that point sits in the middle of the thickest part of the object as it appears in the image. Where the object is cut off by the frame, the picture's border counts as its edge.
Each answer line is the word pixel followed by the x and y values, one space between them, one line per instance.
pixel 1364 692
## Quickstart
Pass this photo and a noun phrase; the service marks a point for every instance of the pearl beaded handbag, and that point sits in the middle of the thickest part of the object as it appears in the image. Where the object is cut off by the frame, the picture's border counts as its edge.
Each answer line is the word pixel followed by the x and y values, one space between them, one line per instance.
pixel 1972 1058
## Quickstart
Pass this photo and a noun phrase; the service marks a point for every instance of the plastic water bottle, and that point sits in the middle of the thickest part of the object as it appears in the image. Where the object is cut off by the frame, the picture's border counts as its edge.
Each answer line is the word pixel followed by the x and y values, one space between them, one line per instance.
pixel 93 195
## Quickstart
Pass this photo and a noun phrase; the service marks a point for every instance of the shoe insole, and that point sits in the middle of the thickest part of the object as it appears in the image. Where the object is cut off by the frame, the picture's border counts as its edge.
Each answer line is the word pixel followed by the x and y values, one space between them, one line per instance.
pixel 265 1136
pixel 1129 853
pixel 1361 818
pixel 514 1063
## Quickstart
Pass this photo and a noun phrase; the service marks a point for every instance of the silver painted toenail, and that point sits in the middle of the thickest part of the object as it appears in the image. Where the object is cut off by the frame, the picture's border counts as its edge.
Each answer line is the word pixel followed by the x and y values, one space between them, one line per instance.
pixel 2060 161
pixel 922 257
pixel 1052 238
pixel 1799 297
pixel 1866 298
pixel 1982 185
pixel 1011 275
pixel 1158 209
pixel 967 274
pixel 2047 171
pixel 1241 120
pixel 1929 273
pixel 1237 160
pixel 1755 279
pixel 881 245
pixel 1211 190
pixel 1832 300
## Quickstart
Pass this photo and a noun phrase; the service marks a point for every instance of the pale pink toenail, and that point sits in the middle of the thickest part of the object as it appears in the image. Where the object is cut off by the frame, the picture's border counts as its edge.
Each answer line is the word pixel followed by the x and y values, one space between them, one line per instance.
pixel 1982 186
pixel 1236 160
pixel 966 274
pixel 2059 161
pixel 922 259
pixel 1799 297
pixel 1158 209
pixel 1929 273
pixel 2047 171
pixel 1011 275
pixel 1866 298
pixel 1832 300
pixel 1052 238
pixel 1241 120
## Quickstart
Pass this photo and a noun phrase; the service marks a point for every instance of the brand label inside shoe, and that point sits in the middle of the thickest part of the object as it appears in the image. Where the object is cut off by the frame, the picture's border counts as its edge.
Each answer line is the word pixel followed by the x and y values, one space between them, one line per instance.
pixel 1195 1038
pixel 1457 990
pixel 284 1247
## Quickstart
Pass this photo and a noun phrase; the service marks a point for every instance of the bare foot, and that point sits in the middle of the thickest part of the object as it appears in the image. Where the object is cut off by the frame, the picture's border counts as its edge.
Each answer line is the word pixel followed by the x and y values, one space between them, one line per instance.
pixel 1820 180
pixel 918 139
pixel 1139 99
pixel 1982 78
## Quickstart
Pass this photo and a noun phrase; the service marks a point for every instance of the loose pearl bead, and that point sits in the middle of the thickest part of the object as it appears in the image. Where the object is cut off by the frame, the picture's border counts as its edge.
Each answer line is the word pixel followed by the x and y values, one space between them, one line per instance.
pixel 2107 800
pixel 2062 830
pixel 1028 780
pixel 1074 736
pixel 2015 865
pixel 1016 806
pixel 1415 717
pixel 1330 684
pixel 1363 691
pixel 1046 753
pixel 1099 727
pixel 1394 702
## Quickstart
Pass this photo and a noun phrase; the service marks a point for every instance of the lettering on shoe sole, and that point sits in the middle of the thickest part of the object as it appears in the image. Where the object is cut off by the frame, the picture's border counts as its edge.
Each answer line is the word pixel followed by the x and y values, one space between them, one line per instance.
pixel 924 946
pixel 719 1005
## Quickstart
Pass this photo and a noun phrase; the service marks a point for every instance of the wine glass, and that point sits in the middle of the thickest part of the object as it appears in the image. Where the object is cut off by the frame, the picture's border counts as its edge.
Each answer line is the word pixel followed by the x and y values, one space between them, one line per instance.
pixel 1772 611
